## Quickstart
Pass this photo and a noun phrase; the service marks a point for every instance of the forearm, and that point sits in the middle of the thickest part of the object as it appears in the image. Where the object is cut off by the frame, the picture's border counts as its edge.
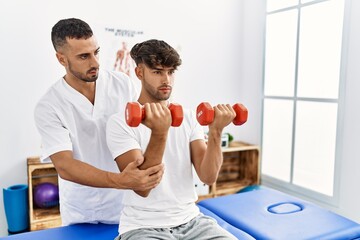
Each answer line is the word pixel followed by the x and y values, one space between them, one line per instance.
pixel 155 150
pixel 153 155
pixel 82 173
pixel 213 158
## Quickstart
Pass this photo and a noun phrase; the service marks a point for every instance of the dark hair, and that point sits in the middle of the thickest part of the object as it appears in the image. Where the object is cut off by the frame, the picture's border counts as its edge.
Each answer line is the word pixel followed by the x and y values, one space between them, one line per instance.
pixel 69 28
pixel 154 53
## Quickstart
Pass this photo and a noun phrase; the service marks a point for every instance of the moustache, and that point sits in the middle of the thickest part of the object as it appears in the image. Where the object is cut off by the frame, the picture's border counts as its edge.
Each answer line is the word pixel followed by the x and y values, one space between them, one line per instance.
pixel 165 86
pixel 92 69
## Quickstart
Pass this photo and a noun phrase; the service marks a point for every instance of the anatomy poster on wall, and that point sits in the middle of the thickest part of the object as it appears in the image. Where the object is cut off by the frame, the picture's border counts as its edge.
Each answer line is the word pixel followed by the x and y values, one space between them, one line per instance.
pixel 115 45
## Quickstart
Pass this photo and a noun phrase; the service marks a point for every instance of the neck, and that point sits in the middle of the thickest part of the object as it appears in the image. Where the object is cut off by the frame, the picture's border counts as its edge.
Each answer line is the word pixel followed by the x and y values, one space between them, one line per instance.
pixel 85 88
pixel 143 99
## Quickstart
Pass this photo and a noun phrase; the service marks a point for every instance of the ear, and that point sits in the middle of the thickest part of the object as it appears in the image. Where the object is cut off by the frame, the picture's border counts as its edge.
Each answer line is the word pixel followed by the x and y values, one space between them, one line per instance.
pixel 61 58
pixel 139 71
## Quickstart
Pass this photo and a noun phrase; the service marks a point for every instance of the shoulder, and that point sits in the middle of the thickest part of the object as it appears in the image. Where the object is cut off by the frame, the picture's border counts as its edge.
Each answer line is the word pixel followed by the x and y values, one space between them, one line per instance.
pixel 190 120
pixel 116 118
pixel 189 114
pixel 115 77
pixel 116 121
pixel 50 99
pixel 118 82
pixel 117 130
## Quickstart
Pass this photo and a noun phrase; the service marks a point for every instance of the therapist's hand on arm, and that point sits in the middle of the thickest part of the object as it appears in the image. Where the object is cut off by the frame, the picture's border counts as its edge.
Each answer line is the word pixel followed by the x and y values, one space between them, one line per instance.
pixel 132 177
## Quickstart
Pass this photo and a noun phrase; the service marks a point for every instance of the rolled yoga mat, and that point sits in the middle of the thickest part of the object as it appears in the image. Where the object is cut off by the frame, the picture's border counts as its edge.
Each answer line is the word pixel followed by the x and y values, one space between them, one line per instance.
pixel 16 206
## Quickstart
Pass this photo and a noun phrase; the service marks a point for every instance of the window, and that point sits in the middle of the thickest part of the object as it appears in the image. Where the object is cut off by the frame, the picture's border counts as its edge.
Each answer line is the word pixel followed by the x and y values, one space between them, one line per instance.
pixel 301 95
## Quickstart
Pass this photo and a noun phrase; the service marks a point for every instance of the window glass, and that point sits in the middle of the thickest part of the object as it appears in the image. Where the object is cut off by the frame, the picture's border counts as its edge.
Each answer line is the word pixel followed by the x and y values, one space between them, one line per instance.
pixel 315 142
pixel 277 138
pixel 320 50
pixel 280 56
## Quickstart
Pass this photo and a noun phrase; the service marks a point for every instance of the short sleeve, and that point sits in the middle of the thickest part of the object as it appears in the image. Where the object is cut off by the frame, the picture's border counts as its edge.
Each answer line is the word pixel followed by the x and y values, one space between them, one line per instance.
pixel 197 132
pixel 130 88
pixel 120 137
pixel 54 136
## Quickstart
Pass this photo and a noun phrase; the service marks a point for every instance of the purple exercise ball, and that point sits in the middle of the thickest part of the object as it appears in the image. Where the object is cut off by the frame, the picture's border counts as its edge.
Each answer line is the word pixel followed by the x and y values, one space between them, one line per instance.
pixel 46 195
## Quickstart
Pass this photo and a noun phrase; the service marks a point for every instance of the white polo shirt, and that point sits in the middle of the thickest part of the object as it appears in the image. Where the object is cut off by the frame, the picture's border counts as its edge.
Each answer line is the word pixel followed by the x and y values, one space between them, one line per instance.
pixel 172 202
pixel 67 120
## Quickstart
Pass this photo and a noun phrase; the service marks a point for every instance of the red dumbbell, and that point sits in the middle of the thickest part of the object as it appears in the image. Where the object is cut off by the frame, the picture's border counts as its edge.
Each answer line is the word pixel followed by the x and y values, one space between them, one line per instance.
pixel 205 114
pixel 134 114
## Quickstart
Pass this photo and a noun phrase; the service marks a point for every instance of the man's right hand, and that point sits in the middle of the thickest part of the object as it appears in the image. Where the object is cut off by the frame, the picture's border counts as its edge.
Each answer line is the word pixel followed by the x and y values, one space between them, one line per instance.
pixel 158 118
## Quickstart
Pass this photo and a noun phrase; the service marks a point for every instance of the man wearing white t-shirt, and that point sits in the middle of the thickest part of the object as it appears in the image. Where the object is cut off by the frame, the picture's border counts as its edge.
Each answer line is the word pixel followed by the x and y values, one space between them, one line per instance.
pixel 71 118
pixel 168 211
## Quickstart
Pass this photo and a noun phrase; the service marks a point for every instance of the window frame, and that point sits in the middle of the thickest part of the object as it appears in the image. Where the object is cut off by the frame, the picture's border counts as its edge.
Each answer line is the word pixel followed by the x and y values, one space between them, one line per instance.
pixel 290 187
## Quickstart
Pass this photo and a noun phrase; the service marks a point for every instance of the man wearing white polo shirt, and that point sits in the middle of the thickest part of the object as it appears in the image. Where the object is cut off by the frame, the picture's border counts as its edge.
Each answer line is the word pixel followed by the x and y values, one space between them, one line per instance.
pixel 71 119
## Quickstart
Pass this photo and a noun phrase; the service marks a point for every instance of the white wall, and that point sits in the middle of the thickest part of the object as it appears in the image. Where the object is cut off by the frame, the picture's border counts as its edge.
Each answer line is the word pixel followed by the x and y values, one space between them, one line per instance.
pixel 350 177
pixel 209 31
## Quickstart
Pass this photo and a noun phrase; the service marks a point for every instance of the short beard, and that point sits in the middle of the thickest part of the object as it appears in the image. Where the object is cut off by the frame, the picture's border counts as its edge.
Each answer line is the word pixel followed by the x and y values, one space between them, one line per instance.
pixel 156 95
pixel 82 76
pixel 91 79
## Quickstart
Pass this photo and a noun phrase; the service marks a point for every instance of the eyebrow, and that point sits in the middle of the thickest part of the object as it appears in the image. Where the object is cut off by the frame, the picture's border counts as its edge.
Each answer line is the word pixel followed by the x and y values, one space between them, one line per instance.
pixel 163 69
pixel 81 54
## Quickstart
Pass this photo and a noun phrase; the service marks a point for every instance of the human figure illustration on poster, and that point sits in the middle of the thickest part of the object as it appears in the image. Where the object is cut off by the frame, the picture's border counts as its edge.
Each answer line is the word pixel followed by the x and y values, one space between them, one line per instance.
pixel 123 61
pixel 116 43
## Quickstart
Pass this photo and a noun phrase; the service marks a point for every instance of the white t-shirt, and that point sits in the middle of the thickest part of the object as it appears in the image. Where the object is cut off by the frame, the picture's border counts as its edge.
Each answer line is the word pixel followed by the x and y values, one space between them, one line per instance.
pixel 172 202
pixel 67 120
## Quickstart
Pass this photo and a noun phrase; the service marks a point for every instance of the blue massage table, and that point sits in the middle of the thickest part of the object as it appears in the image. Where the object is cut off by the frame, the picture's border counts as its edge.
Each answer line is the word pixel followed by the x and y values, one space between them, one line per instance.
pixel 265 213
pixel 85 231
pixel 261 213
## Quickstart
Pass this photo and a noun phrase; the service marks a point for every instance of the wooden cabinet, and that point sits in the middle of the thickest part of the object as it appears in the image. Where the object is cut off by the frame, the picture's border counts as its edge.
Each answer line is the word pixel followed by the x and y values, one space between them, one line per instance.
pixel 240 169
pixel 38 173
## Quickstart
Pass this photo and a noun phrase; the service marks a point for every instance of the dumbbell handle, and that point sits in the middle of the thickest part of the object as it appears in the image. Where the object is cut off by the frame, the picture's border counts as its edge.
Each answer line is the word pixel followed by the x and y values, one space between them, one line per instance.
pixel 134 114
pixel 205 114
